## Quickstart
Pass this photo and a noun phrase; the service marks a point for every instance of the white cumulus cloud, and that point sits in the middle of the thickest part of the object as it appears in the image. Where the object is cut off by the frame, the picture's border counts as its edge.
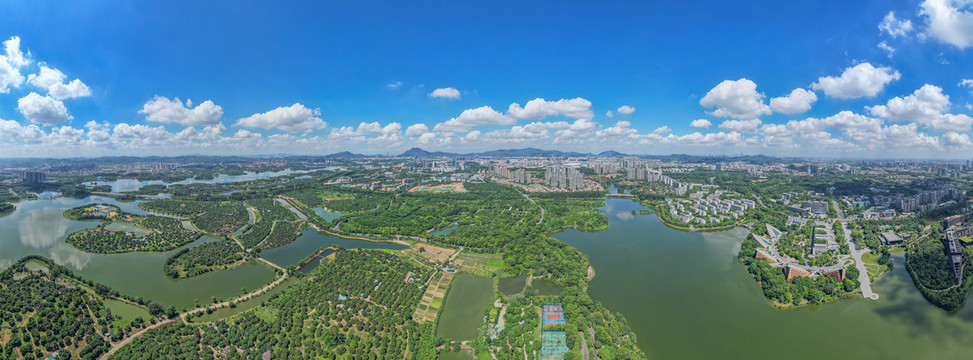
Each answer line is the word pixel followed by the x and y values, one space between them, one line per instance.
pixel 73 89
pixel 53 80
pixel 895 27
pixel 888 49
pixel 926 106
pixel 445 93
pixel 46 77
pixel 798 101
pixel 539 108
pixel 10 65
pixel 43 109
pixel 701 124
pixel 416 129
pixel 164 110
pixel 741 126
pixel 294 118
pixel 625 109
pixel 862 80
pixel 736 99
pixel 620 128
pixel 469 118
pixel 949 21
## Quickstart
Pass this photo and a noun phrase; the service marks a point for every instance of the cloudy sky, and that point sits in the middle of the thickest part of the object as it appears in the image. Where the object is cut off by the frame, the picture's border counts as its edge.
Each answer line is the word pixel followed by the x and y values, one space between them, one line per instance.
pixel 825 79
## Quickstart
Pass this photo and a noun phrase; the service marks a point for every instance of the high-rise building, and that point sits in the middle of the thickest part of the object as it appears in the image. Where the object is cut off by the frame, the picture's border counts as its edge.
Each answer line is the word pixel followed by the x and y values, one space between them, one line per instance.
pixel 32 176
pixel 564 178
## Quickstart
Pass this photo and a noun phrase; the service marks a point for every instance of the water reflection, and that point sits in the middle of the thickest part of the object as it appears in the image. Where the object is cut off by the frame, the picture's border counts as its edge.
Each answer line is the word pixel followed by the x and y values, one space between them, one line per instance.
pixel 624 215
pixel 38 237
pixel 123 185
pixel 68 255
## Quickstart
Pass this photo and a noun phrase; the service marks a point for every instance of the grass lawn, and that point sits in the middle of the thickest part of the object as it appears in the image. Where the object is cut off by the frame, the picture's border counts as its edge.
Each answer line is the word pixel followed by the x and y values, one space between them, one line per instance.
pixel 871 265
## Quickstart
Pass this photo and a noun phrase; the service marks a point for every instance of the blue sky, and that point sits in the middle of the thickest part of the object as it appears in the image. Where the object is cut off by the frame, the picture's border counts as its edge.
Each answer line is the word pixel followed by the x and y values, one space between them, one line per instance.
pixel 317 78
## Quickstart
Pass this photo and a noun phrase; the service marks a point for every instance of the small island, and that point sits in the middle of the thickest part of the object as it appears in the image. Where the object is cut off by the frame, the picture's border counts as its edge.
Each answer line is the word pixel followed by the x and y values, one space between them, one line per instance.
pixel 123 232
pixel 212 256
pixel 7 209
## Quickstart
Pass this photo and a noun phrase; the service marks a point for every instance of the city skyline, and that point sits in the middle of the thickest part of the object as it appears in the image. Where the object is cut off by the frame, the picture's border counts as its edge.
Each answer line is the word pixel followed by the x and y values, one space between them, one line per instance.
pixel 880 81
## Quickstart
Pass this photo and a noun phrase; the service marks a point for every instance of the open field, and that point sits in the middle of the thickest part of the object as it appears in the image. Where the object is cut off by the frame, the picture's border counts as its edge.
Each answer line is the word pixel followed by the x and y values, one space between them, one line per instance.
pixel 454 187
pixel 432 252
pixel 479 264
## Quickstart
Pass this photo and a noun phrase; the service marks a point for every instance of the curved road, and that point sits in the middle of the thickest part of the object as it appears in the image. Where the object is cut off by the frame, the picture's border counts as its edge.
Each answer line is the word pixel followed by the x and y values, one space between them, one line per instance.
pixel 538 205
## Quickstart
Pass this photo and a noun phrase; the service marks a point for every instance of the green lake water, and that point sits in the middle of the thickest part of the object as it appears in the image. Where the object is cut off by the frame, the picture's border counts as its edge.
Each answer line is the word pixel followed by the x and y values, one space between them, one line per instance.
pixel 446 230
pixel 123 185
pixel 326 215
pixel 311 240
pixel 127 311
pixel 512 285
pixel 39 228
pixel 545 287
pixel 462 313
pixel 687 297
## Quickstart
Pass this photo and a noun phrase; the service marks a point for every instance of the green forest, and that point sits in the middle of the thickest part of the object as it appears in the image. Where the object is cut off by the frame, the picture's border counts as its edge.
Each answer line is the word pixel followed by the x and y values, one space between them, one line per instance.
pixel 931 271
pixel 215 217
pixel 51 310
pixel 198 260
pixel 310 319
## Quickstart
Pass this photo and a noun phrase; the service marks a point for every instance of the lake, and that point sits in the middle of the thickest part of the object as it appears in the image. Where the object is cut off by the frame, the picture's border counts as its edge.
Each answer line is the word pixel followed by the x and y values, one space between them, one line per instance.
pixel 445 231
pixel 512 285
pixel 311 240
pixel 687 297
pixel 326 215
pixel 39 228
pixel 462 313
pixel 545 287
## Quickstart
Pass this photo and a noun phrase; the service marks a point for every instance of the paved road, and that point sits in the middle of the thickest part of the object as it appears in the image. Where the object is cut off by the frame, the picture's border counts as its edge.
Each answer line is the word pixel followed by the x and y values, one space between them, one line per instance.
pixel 538 205
pixel 866 283
pixel 287 204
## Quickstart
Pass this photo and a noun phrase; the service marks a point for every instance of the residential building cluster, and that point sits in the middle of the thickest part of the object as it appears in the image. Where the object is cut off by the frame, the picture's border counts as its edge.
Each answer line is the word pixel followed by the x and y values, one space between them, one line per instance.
pixel 28 176
pixel 564 178
pixel 710 209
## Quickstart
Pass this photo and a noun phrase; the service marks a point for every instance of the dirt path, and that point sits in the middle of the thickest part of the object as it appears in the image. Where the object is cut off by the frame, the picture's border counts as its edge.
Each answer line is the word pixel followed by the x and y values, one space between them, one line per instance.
pixel 584 346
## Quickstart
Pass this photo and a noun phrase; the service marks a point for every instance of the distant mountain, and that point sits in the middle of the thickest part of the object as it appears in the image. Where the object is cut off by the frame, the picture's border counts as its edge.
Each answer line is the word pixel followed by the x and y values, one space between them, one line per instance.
pixel 416 153
pixel 345 155
pixel 611 153
pixel 525 152
pixel 421 154
pixel 528 152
